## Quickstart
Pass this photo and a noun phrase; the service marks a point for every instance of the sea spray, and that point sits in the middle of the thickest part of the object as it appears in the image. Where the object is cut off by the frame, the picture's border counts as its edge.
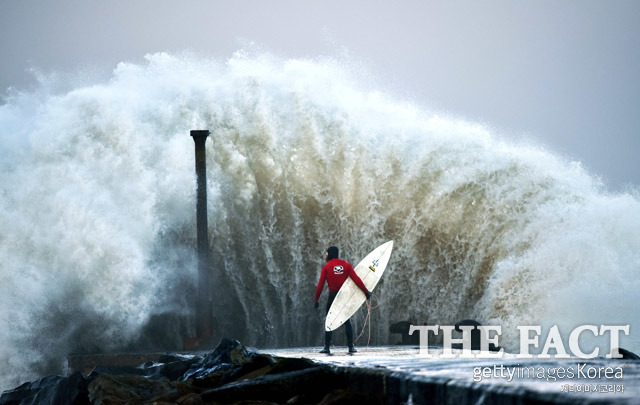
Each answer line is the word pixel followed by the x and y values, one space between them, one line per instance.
pixel 97 213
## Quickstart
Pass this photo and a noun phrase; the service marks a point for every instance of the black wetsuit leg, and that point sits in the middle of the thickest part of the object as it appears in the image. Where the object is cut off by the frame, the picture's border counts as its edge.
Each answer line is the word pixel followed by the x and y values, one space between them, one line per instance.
pixel 349 331
pixel 327 335
pixel 348 325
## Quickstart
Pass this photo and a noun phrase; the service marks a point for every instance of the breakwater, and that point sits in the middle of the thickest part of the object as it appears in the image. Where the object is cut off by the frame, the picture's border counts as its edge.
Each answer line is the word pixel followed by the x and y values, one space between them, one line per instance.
pixel 377 375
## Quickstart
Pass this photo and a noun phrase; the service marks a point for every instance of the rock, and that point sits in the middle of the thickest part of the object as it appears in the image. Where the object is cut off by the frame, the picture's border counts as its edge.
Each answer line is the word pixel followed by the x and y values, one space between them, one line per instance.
pixel 261 362
pixel 270 366
pixel 191 398
pixel 208 381
pixel 171 367
pixel 85 363
pixel 118 389
pixel 312 382
pixel 344 397
pixel 255 365
pixel 118 370
pixel 475 335
pixel 627 355
pixel 228 351
pixel 50 390
pixel 286 364
pixel 167 366
pixel 402 328
pixel 228 354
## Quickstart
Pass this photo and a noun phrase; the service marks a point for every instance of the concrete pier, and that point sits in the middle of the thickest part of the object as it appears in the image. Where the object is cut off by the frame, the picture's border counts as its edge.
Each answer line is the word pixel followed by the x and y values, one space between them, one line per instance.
pixel 407 378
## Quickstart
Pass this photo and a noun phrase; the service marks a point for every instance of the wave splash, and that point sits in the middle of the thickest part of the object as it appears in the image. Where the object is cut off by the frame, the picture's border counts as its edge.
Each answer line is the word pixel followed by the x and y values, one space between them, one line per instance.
pixel 97 213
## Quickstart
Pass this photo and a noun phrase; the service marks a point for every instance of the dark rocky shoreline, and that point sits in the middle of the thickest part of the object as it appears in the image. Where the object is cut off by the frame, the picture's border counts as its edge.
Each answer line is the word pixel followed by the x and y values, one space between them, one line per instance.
pixel 230 374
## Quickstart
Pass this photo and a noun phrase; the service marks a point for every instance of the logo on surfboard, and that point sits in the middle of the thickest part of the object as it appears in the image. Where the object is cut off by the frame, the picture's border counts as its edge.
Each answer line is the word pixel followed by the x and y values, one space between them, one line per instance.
pixel 374 265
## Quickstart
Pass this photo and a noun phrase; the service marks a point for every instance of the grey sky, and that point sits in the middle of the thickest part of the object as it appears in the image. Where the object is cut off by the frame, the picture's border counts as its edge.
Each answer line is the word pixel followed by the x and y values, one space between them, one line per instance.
pixel 564 73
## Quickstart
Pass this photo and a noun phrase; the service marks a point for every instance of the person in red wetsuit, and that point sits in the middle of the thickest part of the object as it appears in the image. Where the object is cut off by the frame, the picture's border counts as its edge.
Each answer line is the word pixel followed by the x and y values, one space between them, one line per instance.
pixel 335 273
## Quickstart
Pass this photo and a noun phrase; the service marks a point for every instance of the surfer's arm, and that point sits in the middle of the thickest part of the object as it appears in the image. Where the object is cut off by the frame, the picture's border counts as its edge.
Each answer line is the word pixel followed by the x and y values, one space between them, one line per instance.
pixel 323 277
pixel 356 279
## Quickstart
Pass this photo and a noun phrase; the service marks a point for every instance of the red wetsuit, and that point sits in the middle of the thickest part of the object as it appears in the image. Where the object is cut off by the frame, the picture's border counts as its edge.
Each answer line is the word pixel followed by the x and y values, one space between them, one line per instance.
pixel 335 272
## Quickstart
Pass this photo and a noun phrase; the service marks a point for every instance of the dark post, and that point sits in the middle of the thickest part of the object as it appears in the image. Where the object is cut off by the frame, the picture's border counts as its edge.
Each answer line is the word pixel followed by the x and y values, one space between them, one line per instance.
pixel 203 304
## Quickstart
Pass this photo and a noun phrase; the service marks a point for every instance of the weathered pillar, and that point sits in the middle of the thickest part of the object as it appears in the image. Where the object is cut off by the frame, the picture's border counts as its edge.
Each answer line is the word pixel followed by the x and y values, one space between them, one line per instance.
pixel 204 313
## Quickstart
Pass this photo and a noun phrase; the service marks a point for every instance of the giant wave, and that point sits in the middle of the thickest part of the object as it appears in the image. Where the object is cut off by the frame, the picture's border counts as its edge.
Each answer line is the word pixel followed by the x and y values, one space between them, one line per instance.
pixel 97 212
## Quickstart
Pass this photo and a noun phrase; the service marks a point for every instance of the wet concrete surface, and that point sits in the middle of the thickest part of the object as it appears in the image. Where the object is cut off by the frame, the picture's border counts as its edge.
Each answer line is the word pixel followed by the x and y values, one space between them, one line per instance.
pixel 510 379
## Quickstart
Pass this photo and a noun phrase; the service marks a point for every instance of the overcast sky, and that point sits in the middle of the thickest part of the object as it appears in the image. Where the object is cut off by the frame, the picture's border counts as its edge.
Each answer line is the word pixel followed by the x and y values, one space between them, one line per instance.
pixel 564 73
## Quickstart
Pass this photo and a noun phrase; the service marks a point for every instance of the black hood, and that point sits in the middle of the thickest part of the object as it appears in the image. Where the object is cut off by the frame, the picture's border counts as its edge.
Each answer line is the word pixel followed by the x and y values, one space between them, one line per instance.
pixel 333 252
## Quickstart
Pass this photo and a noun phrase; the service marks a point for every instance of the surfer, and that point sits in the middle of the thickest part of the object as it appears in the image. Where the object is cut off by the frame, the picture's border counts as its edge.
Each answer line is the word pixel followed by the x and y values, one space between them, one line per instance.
pixel 335 272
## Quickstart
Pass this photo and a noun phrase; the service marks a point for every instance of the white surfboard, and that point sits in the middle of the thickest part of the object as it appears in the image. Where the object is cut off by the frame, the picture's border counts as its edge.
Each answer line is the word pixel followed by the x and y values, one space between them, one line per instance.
pixel 350 297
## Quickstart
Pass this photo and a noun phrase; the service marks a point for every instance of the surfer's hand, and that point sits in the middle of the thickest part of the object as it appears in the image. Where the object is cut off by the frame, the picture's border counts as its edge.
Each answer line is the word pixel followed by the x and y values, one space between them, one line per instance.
pixel 316 305
pixel 367 294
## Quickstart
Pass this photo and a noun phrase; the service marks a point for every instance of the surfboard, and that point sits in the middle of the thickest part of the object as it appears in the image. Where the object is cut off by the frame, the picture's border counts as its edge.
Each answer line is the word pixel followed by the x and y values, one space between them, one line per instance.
pixel 350 297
